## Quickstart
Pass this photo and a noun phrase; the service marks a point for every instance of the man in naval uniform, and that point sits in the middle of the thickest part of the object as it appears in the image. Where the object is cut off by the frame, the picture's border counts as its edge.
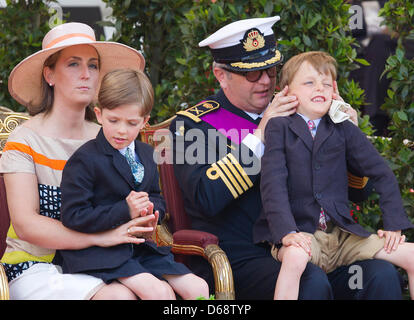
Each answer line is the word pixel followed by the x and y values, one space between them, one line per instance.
pixel 217 146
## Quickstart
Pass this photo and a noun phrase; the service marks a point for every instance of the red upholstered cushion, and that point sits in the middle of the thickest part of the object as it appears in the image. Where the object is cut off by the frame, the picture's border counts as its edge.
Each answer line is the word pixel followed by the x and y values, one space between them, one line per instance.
pixel 194 237
pixel 4 216
pixel 173 199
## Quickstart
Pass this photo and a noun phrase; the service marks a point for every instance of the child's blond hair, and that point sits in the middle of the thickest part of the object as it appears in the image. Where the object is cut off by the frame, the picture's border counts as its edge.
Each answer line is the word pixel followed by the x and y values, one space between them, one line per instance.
pixel 321 61
pixel 126 86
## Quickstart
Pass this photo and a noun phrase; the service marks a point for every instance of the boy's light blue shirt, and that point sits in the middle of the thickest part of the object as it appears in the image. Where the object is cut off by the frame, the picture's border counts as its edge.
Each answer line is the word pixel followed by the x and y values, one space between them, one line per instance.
pixel 132 148
pixel 316 121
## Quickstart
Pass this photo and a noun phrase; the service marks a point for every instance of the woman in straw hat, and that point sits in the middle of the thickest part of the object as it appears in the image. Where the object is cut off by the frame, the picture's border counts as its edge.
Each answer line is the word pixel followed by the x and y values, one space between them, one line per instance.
pixel 57 85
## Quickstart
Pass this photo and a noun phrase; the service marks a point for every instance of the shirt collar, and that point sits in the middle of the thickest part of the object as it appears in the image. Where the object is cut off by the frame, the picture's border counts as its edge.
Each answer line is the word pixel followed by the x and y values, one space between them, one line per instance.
pixel 254 116
pixel 131 147
pixel 316 121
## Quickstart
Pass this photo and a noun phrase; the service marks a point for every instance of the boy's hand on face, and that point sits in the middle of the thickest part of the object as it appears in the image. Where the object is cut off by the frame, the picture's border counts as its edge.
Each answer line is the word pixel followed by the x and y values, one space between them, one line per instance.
pixel 299 240
pixel 352 112
pixel 138 204
pixel 392 239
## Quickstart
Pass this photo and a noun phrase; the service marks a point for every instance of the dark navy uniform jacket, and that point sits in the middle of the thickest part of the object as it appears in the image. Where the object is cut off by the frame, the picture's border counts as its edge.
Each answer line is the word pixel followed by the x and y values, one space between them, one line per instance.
pixel 221 192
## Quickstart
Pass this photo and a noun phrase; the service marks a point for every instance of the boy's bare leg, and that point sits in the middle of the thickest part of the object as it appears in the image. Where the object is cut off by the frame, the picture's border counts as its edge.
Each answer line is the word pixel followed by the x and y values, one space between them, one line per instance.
pixel 294 260
pixel 114 291
pixel 148 287
pixel 402 256
pixel 188 286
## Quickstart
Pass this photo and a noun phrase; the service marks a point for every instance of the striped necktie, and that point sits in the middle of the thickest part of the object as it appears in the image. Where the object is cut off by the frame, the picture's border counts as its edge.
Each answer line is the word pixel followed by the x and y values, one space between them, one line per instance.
pixel 312 128
pixel 136 167
pixel 322 216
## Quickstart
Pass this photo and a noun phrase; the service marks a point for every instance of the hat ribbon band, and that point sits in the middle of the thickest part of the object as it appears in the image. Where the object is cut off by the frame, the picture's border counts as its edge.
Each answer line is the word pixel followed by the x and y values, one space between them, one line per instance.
pixel 68 36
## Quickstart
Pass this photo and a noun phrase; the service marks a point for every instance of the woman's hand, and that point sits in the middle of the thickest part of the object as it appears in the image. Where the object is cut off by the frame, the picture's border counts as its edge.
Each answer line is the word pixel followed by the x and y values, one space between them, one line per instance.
pixel 134 231
pixel 153 224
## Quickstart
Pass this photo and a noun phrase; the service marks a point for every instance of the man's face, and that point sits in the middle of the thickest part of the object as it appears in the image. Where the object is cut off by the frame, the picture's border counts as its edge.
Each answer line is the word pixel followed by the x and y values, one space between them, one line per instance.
pixel 248 96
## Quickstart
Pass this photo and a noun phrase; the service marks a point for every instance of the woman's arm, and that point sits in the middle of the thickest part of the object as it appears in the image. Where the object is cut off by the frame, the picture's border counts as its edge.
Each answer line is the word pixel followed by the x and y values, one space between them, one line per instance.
pixel 30 226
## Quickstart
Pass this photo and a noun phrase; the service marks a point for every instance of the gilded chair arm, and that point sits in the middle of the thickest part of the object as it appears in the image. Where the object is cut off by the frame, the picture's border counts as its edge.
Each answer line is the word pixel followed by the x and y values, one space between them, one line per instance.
pixel 194 242
pixel 4 285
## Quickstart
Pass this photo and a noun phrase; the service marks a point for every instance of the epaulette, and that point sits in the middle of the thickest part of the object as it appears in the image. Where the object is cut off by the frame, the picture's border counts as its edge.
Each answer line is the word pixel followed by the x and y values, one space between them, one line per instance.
pixel 200 110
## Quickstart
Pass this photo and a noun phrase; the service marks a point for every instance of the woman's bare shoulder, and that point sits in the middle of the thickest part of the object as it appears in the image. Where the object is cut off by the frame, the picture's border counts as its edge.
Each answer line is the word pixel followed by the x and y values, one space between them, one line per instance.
pixel 33 122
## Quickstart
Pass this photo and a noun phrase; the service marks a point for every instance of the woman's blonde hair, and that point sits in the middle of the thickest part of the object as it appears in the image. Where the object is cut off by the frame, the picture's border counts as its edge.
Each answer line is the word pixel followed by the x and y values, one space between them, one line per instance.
pixel 126 86
pixel 321 61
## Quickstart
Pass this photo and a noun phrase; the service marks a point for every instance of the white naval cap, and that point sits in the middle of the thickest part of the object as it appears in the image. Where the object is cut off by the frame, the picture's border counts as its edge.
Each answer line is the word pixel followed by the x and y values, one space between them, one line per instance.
pixel 231 34
pixel 245 45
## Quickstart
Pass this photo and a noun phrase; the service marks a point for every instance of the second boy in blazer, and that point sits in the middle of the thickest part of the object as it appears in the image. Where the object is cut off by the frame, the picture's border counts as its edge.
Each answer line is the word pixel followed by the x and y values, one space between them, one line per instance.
pixel 113 179
pixel 304 184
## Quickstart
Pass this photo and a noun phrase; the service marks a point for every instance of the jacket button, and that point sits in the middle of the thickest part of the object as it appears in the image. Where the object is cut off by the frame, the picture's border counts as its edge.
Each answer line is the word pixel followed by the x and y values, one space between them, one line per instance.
pixel 317 166
pixel 318 196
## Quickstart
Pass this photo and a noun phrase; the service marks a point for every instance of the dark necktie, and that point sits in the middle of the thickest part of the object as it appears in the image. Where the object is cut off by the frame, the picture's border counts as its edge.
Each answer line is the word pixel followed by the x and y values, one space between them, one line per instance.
pixel 322 215
pixel 312 128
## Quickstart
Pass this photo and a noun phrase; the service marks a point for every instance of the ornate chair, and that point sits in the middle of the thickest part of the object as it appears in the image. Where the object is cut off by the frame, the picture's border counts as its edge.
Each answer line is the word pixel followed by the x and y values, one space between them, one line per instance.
pixel 8 121
pixel 183 240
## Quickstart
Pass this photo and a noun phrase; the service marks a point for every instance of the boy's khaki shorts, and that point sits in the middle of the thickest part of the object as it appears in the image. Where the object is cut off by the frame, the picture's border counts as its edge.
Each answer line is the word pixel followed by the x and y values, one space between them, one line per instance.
pixel 331 250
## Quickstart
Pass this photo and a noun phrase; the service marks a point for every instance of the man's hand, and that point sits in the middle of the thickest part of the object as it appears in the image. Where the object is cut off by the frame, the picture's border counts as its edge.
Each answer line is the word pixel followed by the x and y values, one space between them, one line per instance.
pixel 282 105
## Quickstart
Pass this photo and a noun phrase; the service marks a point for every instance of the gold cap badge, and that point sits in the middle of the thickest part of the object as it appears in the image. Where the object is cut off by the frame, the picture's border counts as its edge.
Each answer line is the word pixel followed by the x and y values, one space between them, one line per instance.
pixel 253 40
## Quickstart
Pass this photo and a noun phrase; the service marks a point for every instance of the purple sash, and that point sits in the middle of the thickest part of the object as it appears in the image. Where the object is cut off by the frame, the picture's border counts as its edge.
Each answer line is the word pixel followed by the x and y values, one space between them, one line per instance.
pixel 232 126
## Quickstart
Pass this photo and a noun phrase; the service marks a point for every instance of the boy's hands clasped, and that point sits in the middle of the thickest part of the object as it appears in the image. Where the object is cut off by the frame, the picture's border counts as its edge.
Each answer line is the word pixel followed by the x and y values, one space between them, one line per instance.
pixel 140 206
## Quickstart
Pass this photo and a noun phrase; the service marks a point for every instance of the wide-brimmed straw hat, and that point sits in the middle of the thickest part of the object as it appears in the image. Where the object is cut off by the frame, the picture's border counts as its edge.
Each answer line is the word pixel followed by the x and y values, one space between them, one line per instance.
pixel 25 81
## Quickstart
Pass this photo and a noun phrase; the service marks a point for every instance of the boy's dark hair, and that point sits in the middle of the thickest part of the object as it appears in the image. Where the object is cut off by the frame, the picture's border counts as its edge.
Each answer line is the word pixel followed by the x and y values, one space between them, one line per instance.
pixel 126 86
pixel 320 60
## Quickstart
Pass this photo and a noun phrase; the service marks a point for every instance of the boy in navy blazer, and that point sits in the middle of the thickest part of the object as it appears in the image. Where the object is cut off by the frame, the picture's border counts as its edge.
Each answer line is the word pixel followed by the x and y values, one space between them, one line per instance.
pixel 304 184
pixel 113 179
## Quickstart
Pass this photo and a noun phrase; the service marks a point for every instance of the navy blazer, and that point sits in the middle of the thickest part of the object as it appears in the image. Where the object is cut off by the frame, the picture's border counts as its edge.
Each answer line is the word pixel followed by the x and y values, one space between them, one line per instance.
pixel 300 175
pixel 95 182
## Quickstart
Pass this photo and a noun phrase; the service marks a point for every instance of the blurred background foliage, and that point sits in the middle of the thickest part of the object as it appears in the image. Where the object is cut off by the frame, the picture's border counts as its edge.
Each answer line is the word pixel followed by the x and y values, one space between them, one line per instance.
pixel 399 104
pixel 23 23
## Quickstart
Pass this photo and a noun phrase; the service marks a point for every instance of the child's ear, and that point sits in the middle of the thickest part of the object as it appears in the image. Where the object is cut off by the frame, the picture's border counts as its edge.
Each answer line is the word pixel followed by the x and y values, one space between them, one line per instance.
pixel 98 114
